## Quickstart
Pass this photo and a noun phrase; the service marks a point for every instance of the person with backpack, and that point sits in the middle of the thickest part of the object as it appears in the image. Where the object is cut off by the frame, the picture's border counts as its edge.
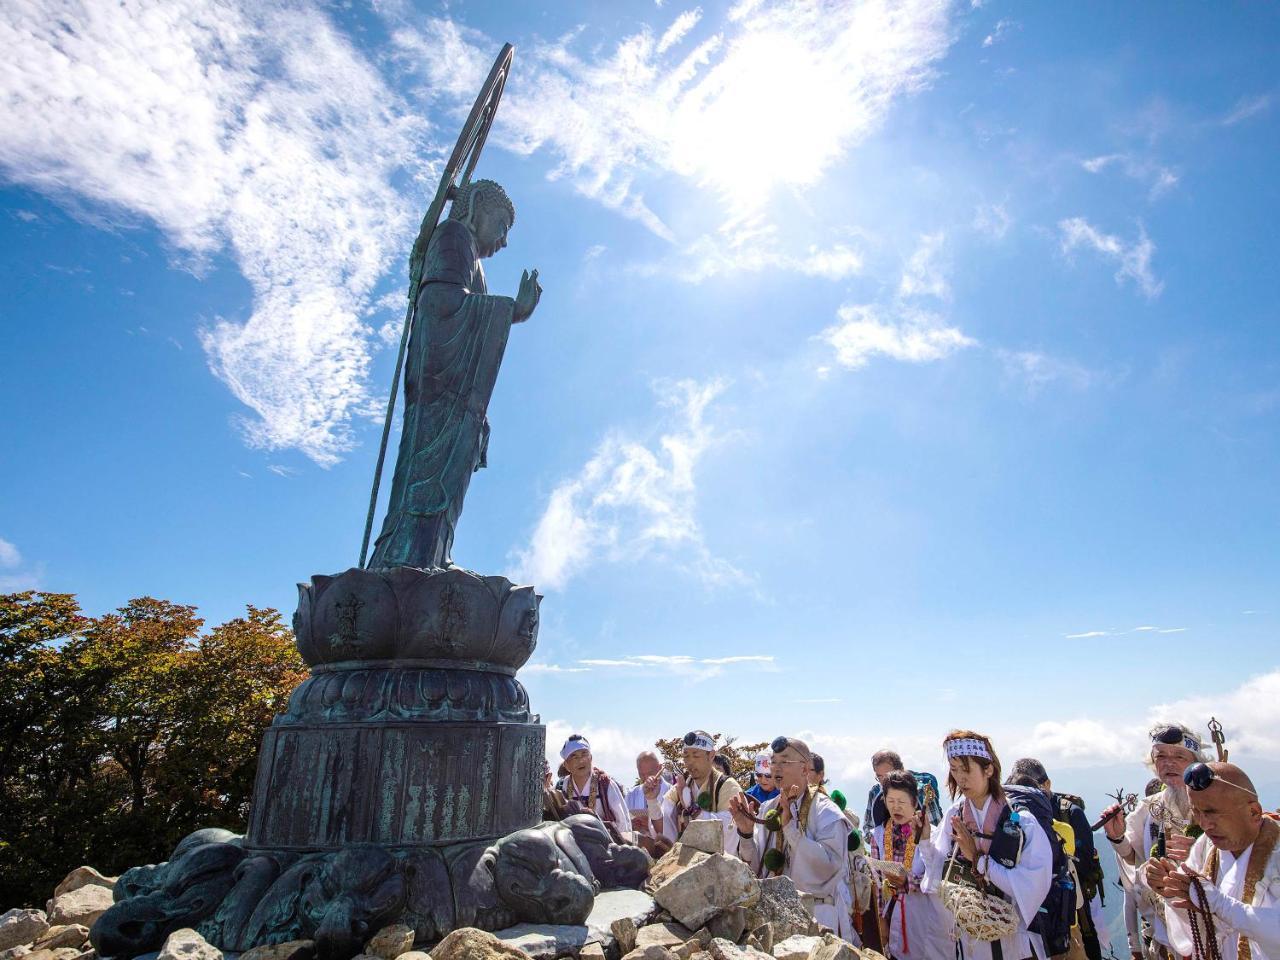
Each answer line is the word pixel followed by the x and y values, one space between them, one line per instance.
pixel 1068 810
pixel 991 842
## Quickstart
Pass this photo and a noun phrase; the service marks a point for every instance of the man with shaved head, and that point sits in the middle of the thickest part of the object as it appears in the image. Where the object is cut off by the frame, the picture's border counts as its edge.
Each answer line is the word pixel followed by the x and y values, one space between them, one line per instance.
pixel 1231 872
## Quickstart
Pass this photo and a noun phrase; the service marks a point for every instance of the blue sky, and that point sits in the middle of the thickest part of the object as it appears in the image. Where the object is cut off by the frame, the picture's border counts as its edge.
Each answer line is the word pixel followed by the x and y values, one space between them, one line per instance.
pixel 889 354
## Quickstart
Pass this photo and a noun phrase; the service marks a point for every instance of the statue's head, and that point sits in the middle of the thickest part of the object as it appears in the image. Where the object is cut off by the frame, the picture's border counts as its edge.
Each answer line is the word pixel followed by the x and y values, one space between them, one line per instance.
pixel 487 211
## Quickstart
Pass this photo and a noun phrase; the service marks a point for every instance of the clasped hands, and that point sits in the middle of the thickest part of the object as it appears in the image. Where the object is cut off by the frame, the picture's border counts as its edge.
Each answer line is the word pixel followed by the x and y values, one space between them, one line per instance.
pixel 740 809
pixel 1171 880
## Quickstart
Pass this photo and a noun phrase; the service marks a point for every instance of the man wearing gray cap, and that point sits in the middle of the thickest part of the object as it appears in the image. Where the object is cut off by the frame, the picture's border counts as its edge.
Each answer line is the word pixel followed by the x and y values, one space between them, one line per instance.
pixel 802 834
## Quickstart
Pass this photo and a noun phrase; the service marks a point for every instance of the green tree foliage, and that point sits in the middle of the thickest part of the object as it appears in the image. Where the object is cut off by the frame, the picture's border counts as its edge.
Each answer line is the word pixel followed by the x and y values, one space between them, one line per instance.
pixel 122 733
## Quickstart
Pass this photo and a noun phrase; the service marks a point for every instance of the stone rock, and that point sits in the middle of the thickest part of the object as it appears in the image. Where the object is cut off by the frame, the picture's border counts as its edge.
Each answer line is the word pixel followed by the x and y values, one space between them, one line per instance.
pixel 82 905
pixel 468 943
pixel 391 941
pixel 704 835
pixel 687 950
pixel 614 905
pixel 808 903
pixel 667 935
pixel 68 935
pixel 624 934
pixel 673 863
pixel 721 949
pixel 83 877
pixel 87 953
pixel 59 953
pixel 730 925
pixel 701 938
pixel 833 948
pixel 545 941
pixel 411 955
pixel 869 954
pixel 797 947
pixel 14 953
pixel 19 927
pixel 753 942
pixel 592 951
pixel 652 952
pixel 184 944
pixel 290 950
pixel 781 906
pixel 706 889
pixel 764 937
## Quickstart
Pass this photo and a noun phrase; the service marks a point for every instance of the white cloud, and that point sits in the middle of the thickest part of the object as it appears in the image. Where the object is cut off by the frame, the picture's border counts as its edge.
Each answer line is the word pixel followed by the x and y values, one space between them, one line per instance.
pixel 924 274
pixel 1250 714
pixel 771 99
pixel 1247 107
pixel 248 129
pixel 1002 28
pixel 992 219
pixel 864 331
pixel 633 499
pixel 753 248
pixel 552 668
pixel 1134 259
pixel 14 578
pixel 1036 370
pixel 1159 178
pixel 1087 634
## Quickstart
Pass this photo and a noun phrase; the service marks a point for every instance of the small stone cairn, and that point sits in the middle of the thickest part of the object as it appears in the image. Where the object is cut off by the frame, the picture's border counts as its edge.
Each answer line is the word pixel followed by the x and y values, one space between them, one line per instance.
pixel 699 904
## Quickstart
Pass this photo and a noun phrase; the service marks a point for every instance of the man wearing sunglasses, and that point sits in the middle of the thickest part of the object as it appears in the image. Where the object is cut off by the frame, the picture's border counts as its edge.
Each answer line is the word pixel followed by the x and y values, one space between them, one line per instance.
pixel 806 839
pixel 1157 826
pixel 1237 864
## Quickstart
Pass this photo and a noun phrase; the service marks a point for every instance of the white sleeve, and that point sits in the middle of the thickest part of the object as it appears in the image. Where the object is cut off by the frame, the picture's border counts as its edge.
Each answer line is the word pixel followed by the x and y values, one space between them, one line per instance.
pixel 1177 927
pixel 937 850
pixel 618 805
pixel 1027 883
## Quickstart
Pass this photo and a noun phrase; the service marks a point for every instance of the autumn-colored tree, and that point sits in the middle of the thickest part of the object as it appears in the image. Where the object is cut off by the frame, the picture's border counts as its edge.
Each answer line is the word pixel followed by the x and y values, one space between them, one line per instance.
pixel 123 733
pixel 741 757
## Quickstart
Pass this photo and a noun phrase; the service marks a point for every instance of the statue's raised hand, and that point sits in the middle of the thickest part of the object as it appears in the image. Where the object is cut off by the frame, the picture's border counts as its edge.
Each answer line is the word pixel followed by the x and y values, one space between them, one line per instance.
pixel 528 296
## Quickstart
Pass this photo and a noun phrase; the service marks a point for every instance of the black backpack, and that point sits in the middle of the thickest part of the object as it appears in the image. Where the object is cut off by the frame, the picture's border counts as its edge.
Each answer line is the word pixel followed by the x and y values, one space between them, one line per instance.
pixel 1057 913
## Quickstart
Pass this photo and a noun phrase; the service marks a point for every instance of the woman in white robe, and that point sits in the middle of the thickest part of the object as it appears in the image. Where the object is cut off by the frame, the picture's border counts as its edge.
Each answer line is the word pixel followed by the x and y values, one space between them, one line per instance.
pixel 919 927
pixel 966 831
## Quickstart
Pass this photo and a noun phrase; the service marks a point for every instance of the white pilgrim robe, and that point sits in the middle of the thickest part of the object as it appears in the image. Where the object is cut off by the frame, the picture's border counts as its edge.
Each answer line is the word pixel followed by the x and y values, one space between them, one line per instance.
pixel 1259 920
pixel 927 923
pixel 637 802
pixel 1140 830
pixel 817 860
pixel 728 790
pixel 1026 884
pixel 612 796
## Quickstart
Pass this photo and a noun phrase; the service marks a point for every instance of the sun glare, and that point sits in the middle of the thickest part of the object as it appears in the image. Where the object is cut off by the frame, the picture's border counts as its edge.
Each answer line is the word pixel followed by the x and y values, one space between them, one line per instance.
pixel 757 121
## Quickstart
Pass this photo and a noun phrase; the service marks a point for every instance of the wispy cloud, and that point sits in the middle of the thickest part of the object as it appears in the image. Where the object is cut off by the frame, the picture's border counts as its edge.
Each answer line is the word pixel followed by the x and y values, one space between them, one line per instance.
pixel 925 274
pixel 552 668
pixel 1134 259
pixel 247 129
pixel 634 498
pixel 1247 107
pixel 14 575
pixel 1036 370
pixel 769 99
pixel 1000 31
pixel 866 331
pixel 1120 633
pixel 1158 178
pixel 992 219
pixel 695 669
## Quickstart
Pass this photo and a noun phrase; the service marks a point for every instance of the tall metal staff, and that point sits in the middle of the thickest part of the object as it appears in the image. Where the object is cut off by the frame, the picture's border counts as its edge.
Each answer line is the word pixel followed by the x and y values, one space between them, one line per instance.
pixel 457 173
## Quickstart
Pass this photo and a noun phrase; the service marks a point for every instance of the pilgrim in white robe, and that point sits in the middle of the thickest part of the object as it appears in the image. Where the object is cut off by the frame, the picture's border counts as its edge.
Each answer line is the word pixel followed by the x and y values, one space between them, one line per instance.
pixel 610 797
pixel 919 925
pixel 1140 831
pixel 637 802
pixel 816 859
pixel 1258 920
pixel 1026 884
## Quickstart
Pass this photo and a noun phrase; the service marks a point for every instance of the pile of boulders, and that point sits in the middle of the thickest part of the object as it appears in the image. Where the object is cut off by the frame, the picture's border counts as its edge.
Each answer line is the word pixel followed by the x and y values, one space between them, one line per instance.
pixel 699 904
pixel 61 930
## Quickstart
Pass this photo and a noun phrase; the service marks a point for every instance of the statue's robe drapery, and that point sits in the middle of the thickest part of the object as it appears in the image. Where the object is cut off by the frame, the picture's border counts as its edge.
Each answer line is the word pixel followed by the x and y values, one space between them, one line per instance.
pixel 451 367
